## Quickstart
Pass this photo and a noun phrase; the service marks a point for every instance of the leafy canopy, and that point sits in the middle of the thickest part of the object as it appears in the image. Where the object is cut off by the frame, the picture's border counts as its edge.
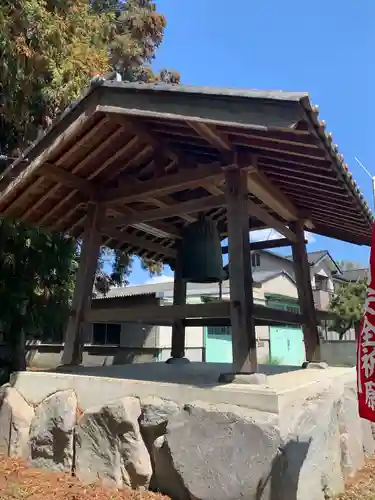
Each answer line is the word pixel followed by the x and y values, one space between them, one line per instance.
pixel 50 50
pixel 348 304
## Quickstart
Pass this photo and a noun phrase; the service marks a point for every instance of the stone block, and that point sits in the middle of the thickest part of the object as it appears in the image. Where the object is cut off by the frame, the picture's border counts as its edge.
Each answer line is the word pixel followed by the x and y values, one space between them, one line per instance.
pixel 110 448
pixel 52 431
pixel 350 430
pixel 311 467
pixel 153 424
pixel 16 416
pixel 219 452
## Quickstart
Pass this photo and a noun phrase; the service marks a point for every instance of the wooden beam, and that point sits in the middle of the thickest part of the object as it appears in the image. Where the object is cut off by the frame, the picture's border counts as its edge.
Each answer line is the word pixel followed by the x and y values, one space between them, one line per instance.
pixel 185 179
pixel 262 214
pixel 207 203
pixel 211 135
pixel 68 179
pixel 259 185
pixel 164 201
pixel 191 314
pixel 159 229
pixel 145 314
pixel 179 299
pixel 136 241
pixel 240 279
pixel 264 245
pixel 305 293
pixel 231 111
pixel 83 289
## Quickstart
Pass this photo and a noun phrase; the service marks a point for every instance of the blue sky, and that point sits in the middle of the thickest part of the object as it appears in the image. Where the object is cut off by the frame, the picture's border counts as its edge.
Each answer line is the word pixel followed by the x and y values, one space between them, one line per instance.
pixel 324 47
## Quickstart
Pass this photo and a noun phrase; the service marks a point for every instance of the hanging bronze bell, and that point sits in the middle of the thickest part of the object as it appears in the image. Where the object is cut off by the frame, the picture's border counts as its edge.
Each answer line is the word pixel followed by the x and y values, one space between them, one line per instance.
pixel 201 255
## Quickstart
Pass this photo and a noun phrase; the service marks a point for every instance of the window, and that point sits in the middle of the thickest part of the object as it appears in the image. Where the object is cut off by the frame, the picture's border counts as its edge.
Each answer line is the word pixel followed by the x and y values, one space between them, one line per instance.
pixel 106 333
pixel 321 283
pixel 255 260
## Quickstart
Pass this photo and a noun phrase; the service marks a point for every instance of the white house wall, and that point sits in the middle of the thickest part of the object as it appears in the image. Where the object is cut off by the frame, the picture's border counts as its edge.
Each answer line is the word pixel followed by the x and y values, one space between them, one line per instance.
pixel 323 269
pixel 270 262
pixel 280 284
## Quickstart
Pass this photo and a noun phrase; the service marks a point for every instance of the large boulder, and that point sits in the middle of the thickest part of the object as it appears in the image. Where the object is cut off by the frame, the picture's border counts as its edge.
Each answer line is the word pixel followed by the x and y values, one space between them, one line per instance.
pixel 155 415
pixel 220 452
pixel 352 446
pixel 52 431
pixel 153 424
pixel 356 433
pixel 15 420
pixel 110 448
pixel 312 450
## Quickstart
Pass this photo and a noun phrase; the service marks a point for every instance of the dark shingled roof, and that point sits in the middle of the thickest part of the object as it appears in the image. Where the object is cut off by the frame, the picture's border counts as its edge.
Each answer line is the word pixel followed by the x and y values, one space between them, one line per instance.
pixel 356 274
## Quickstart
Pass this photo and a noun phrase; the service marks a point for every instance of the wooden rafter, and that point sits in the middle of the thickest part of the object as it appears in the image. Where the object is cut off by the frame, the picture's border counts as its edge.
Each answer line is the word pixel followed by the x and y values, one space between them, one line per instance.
pixel 92 176
pixel 262 214
pixel 80 166
pixel 259 185
pixel 68 179
pixel 211 135
pixel 157 142
pixel 186 179
pixel 161 202
pixel 72 129
pixel 159 228
pixel 206 203
pixel 136 241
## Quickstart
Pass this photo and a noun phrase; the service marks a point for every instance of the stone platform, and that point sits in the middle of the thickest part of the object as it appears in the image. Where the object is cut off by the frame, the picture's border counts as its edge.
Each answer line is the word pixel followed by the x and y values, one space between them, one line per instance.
pixel 180 383
pixel 174 429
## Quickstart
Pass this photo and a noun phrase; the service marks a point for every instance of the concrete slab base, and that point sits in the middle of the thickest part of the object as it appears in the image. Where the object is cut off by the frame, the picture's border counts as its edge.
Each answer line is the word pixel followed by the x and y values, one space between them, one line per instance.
pixel 243 378
pixel 283 386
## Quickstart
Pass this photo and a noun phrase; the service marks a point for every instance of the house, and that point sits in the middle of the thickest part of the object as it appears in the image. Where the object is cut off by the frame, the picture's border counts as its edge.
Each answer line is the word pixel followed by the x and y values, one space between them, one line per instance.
pixel 323 270
pixel 109 342
pixel 273 287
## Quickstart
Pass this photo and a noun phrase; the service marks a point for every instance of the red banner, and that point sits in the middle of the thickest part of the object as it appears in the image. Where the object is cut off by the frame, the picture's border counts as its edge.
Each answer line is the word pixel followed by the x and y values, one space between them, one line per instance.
pixel 366 348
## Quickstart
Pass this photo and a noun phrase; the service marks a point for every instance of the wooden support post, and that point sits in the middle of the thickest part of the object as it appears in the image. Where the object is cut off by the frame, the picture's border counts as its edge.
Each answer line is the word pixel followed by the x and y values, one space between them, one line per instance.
pixel 178 328
pixel 305 293
pixel 91 242
pixel 240 278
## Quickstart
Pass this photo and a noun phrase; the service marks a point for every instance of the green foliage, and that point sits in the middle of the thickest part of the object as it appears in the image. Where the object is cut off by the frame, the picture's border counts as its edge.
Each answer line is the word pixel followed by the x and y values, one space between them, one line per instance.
pixel 274 361
pixel 348 305
pixel 50 50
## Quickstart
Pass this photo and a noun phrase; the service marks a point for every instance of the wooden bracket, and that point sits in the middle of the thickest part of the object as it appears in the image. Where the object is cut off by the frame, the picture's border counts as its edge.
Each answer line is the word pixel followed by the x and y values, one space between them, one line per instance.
pixel 58 174
pixel 270 195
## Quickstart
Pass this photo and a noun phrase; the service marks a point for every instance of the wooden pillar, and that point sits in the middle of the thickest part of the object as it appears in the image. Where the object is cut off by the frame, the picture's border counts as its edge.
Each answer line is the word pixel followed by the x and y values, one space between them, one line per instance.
pixel 90 249
pixel 305 293
pixel 179 298
pixel 240 278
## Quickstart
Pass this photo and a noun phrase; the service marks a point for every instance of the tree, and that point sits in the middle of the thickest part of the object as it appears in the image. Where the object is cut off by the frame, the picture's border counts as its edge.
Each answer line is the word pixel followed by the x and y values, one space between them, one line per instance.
pixel 50 50
pixel 348 265
pixel 348 306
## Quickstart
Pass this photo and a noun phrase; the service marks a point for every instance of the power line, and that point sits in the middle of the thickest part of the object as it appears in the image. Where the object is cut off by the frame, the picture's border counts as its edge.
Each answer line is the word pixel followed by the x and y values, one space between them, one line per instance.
pixel 371 176
pixel 364 168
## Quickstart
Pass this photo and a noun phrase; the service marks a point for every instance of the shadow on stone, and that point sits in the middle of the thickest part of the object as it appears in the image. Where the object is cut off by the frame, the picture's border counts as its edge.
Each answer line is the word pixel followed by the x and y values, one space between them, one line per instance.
pixel 282 482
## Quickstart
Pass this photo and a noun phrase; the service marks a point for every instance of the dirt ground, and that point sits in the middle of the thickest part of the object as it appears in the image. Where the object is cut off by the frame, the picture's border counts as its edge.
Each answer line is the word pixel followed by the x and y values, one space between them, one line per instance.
pixel 20 482
pixel 362 485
